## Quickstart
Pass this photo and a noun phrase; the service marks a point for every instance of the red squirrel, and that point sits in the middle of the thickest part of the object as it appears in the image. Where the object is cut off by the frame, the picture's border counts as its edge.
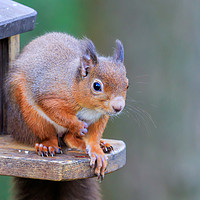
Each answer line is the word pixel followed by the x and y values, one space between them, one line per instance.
pixel 59 85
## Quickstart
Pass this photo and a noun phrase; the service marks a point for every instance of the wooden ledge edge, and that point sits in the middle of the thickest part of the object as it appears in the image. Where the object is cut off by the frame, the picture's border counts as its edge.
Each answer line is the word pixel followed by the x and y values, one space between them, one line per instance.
pixel 22 161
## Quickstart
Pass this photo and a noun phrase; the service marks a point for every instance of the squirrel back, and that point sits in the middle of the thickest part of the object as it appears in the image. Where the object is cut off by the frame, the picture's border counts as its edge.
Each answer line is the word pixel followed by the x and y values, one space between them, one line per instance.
pixel 46 62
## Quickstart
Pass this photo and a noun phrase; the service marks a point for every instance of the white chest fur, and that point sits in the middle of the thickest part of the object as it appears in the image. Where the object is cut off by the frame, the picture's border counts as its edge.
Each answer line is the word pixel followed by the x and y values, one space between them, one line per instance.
pixel 88 115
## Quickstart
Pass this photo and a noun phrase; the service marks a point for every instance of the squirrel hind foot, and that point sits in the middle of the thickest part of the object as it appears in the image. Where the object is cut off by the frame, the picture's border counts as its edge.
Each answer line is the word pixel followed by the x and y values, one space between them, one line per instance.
pixel 44 150
pixel 106 147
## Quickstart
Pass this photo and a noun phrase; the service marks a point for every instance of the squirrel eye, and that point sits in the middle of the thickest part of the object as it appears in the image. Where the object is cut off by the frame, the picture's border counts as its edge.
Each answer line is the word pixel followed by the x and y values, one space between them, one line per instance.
pixel 97 86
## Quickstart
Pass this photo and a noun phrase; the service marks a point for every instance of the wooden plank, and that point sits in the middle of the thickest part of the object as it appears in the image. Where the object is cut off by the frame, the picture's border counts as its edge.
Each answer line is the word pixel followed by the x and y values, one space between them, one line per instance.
pixel 22 161
pixel 15 18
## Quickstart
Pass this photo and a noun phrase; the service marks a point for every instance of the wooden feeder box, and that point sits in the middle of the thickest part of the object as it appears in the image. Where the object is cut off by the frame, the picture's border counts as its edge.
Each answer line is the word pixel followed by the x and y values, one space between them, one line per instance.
pixel 19 160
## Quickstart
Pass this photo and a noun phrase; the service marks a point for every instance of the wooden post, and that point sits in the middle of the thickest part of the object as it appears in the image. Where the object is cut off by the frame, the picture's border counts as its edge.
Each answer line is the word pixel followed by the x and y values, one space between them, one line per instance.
pixel 9 50
pixel 13 47
pixel 15 19
pixel 3 69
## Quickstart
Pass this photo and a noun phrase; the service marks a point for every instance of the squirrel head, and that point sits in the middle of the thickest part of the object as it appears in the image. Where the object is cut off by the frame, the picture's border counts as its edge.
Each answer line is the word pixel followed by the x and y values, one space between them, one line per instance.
pixel 102 82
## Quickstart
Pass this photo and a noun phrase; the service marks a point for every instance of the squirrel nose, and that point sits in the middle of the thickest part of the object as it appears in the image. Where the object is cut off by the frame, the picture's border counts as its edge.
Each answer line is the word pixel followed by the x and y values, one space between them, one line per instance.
pixel 117 108
pixel 118 104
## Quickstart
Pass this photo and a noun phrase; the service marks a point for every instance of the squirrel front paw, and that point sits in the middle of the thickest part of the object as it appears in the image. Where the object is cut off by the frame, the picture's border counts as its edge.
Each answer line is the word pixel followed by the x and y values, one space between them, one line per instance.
pixel 99 158
pixel 82 128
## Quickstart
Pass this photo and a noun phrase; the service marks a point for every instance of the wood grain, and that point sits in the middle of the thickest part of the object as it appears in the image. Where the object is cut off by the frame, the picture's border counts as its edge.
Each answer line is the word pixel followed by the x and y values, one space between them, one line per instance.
pixel 22 161
pixel 13 47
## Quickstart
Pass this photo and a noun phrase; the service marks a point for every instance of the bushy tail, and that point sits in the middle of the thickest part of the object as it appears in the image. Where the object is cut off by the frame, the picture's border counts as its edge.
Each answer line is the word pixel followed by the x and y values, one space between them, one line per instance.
pixel 32 189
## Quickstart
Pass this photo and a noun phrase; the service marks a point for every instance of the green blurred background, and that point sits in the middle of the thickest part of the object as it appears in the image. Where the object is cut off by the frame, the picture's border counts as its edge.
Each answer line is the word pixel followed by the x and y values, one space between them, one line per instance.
pixel 162 51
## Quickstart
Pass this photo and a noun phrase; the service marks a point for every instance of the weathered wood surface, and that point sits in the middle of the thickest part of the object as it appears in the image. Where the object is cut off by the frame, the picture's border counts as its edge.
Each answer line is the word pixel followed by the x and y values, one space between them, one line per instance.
pixel 9 50
pixel 15 18
pixel 22 161
pixel 13 47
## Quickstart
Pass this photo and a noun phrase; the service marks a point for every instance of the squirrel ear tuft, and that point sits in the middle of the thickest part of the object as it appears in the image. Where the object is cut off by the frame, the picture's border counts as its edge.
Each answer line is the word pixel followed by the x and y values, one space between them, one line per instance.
pixel 89 58
pixel 118 54
pixel 91 51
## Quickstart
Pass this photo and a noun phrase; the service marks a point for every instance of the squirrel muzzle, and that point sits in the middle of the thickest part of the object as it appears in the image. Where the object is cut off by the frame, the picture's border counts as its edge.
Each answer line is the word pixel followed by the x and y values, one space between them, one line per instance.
pixel 117 105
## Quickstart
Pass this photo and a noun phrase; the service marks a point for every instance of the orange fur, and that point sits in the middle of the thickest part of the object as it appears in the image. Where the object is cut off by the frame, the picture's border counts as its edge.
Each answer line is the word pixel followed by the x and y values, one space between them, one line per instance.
pixel 61 112
pixel 74 142
pixel 96 129
pixel 38 125
pixel 92 141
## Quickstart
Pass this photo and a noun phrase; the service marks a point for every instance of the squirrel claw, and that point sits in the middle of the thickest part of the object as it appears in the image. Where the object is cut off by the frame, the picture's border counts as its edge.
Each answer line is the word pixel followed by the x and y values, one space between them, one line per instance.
pixel 102 177
pixel 51 151
pixel 106 147
pixel 46 154
pixel 83 131
pixel 92 165
pixel 98 162
pixel 58 150
pixel 85 125
pixel 93 160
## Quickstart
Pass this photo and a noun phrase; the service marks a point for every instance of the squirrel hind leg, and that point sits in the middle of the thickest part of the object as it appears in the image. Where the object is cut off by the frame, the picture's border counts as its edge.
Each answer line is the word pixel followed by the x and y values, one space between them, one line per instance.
pixel 48 147
pixel 74 142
